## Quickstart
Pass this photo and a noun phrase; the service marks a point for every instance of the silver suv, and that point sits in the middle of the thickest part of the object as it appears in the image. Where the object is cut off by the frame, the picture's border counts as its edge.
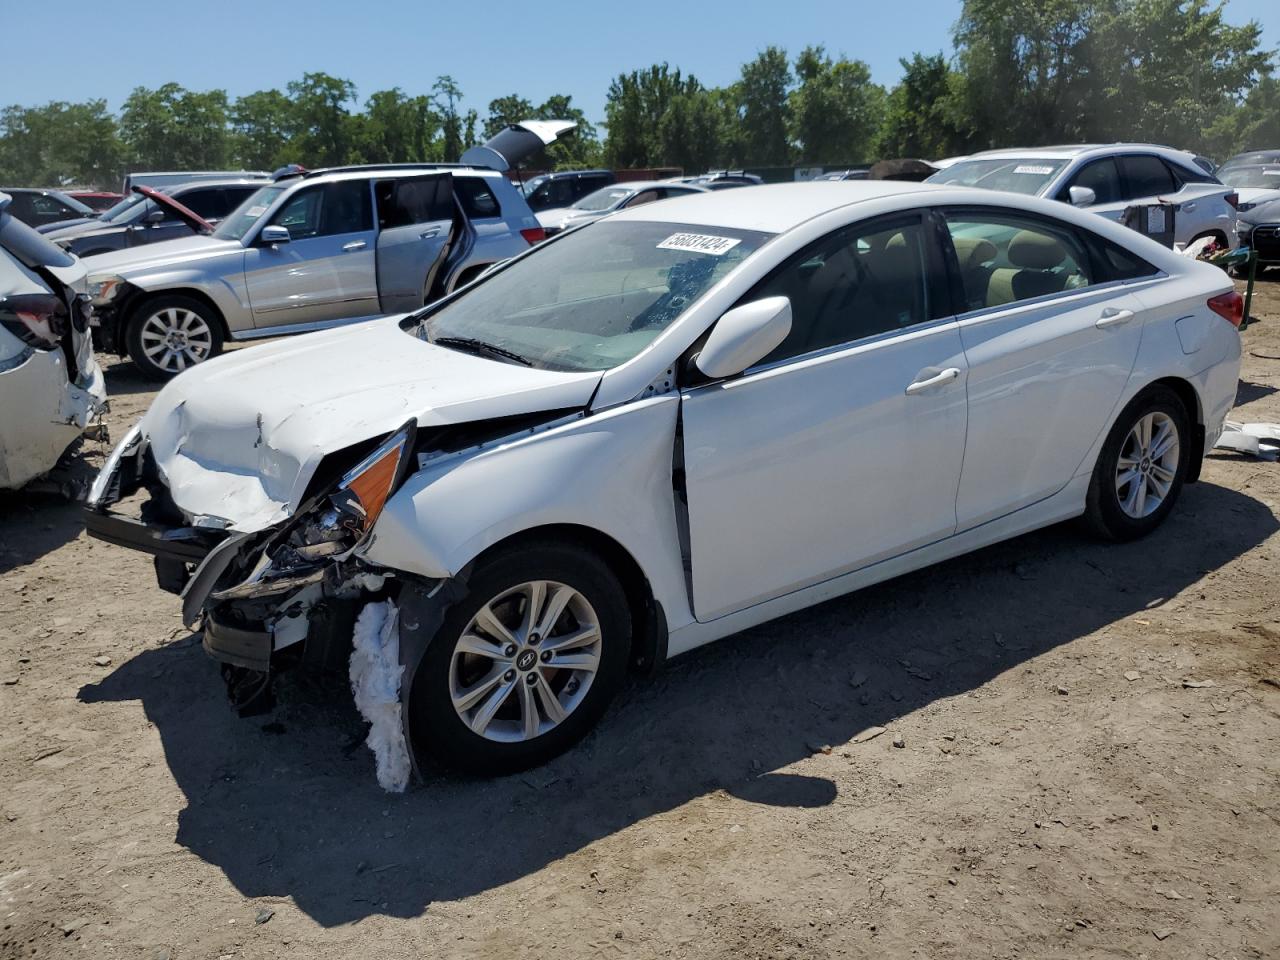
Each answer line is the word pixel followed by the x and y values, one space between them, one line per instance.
pixel 315 249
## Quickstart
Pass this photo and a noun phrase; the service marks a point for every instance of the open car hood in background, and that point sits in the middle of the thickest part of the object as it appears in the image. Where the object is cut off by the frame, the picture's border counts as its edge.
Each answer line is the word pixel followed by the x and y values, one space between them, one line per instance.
pixel 516 143
pixel 188 216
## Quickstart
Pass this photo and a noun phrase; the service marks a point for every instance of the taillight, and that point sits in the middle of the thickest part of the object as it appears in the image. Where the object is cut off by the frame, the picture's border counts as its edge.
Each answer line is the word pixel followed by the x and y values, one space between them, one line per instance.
pixel 1229 306
pixel 533 235
pixel 37 319
pixel 1233 199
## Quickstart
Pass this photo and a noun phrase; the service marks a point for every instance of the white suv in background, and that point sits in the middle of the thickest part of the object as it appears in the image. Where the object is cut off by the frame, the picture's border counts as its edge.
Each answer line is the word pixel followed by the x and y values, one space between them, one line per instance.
pixel 1105 179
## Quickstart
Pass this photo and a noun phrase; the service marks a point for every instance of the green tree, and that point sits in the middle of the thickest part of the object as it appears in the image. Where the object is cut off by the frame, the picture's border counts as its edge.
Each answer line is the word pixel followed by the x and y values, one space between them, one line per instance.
pixel 835 110
pixel 1252 125
pixel 634 108
pixel 322 130
pixel 446 95
pixel 60 144
pixel 762 99
pixel 173 128
pixel 505 111
pixel 1026 69
pixel 261 126
pixel 921 112
pixel 396 128
pixel 578 149
pixel 1172 68
pixel 698 131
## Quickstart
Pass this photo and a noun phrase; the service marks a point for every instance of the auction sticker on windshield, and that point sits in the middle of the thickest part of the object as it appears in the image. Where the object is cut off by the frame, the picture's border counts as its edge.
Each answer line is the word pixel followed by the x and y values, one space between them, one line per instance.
pixel 1030 168
pixel 699 243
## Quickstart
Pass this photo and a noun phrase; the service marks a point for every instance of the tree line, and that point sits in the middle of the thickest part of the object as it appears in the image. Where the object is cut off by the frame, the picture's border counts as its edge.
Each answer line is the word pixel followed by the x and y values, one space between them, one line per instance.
pixel 1022 73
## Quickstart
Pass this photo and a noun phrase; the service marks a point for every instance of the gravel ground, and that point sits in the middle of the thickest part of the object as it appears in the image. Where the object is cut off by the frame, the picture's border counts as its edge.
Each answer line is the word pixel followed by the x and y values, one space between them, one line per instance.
pixel 1079 758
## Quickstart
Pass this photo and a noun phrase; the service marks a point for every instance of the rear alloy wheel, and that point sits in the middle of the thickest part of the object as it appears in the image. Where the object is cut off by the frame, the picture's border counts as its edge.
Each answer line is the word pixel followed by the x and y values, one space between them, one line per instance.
pixel 525 665
pixel 1142 467
pixel 169 334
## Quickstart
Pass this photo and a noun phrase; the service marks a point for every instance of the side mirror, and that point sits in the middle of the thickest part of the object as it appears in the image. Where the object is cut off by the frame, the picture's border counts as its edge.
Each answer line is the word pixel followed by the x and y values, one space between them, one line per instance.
pixel 155 216
pixel 273 234
pixel 1082 196
pixel 745 335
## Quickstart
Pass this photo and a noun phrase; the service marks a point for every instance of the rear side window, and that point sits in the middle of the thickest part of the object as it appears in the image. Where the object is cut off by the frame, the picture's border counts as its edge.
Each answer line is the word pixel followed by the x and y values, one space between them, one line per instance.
pixel 477 200
pixel 1114 262
pixel 413 200
pixel 1004 258
pixel 1146 176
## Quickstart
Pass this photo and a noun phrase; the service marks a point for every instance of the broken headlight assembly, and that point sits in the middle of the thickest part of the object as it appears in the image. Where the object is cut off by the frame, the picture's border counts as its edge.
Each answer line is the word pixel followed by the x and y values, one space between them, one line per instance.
pixel 331 526
pixel 102 290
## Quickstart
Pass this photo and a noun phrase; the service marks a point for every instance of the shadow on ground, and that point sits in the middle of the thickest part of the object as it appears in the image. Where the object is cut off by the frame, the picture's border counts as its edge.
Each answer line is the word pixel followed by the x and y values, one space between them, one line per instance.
pixel 287 805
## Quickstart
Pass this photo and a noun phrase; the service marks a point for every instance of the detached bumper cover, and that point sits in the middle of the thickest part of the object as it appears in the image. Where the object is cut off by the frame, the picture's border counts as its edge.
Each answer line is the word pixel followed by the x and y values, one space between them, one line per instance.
pixel 237 646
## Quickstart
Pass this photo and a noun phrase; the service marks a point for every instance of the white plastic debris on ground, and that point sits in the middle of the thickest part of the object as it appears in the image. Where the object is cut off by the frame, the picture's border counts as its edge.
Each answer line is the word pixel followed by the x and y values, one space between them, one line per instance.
pixel 1260 440
pixel 375 681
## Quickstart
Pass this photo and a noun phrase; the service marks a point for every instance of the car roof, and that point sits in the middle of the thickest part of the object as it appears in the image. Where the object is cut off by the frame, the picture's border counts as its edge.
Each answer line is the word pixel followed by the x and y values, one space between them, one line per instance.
pixel 386 170
pixel 1073 150
pixel 773 208
pixel 206 184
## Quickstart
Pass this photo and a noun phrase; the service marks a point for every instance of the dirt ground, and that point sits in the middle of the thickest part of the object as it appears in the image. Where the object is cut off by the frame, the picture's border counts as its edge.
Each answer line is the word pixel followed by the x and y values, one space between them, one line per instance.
pixel 1089 766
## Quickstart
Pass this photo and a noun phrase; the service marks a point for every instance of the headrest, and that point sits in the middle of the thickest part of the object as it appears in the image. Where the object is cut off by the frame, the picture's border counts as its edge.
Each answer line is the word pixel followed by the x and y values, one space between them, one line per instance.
pixel 973 252
pixel 1035 251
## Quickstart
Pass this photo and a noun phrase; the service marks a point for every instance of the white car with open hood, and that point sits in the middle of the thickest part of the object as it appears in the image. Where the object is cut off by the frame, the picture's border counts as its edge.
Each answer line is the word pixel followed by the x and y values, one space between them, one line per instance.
pixel 659 429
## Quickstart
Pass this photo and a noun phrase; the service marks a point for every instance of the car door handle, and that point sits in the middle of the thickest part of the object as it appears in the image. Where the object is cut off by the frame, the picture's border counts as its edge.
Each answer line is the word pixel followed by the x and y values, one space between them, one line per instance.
pixel 428 234
pixel 1111 317
pixel 1188 207
pixel 946 376
pixel 353 246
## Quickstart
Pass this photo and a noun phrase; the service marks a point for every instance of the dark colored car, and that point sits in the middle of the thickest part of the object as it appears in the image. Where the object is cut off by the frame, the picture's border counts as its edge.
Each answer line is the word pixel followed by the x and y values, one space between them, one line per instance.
pixel 564 188
pixel 38 208
pixel 96 199
pixel 149 216
pixel 1259 228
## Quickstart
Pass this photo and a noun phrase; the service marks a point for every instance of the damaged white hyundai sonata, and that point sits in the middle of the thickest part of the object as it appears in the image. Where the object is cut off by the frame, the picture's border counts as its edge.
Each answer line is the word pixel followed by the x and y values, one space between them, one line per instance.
pixel 662 428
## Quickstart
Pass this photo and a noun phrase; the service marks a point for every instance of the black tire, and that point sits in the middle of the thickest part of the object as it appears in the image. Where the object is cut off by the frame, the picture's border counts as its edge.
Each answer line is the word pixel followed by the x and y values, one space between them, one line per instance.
pixel 152 307
pixel 439 729
pixel 1104 512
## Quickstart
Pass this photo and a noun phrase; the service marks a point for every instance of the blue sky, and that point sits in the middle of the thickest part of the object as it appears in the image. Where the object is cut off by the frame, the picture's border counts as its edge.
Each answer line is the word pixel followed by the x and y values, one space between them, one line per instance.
pixel 490 49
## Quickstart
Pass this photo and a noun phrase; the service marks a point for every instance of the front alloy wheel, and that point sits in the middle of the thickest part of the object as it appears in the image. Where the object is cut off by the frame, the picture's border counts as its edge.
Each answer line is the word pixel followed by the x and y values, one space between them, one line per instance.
pixel 170 334
pixel 525 662
pixel 524 665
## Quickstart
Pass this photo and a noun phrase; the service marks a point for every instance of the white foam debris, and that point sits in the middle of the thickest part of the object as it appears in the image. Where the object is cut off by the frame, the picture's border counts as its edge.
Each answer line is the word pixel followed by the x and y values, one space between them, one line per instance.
pixel 375 682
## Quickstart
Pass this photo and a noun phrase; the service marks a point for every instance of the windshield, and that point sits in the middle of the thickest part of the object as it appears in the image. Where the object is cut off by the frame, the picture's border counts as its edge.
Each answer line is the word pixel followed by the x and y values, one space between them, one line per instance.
pixel 1029 175
pixel 596 297
pixel 606 198
pixel 240 220
pixel 1265 177
pixel 126 209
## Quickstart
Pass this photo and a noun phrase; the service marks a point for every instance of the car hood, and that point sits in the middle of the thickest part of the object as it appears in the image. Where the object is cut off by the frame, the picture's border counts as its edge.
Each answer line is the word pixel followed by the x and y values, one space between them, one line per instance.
pixel 1260 197
pixel 164 254
pixel 1265 212
pixel 239 437
pixel 550 219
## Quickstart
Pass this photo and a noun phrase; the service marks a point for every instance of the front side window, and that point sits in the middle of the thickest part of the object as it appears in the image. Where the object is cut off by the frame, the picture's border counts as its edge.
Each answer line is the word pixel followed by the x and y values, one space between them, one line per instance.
pixel 859 282
pixel 593 298
pixel 1100 176
pixel 644 196
pixel 1029 175
pixel 1004 258
pixel 327 210
pixel 1146 176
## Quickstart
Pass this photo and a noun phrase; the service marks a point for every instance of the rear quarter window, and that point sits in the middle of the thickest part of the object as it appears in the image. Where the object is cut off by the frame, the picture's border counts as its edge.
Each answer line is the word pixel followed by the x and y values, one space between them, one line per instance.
pixel 476 197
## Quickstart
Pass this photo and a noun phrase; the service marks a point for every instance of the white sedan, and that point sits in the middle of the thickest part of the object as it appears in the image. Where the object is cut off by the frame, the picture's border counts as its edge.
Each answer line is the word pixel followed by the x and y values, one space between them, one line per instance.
pixel 660 429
